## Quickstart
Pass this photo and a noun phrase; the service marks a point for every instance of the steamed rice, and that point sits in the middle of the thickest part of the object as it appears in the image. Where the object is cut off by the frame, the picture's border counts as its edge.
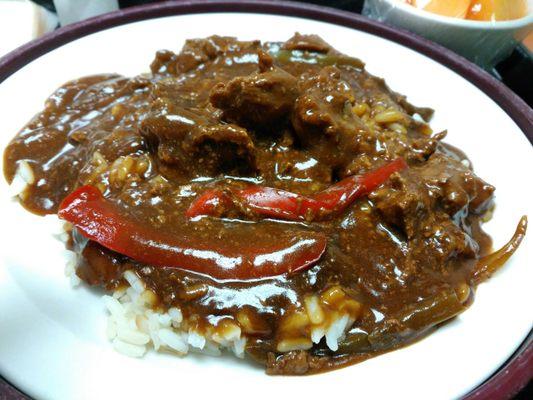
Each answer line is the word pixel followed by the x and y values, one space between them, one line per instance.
pixel 23 178
pixel 134 326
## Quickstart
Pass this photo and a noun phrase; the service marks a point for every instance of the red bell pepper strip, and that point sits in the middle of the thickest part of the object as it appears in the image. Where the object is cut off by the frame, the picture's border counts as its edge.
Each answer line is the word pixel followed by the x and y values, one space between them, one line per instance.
pixel 282 204
pixel 106 223
pixel 211 202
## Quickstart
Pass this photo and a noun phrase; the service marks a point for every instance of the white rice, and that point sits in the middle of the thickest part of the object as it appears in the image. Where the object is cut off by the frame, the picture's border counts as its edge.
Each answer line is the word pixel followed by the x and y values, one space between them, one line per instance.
pixel 336 331
pixel 70 268
pixel 128 349
pixel 134 327
pixel 23 178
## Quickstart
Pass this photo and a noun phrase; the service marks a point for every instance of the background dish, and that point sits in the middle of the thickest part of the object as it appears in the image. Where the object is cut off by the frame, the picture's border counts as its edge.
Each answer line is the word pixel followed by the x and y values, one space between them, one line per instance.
pixel 484 42
pixel 51 349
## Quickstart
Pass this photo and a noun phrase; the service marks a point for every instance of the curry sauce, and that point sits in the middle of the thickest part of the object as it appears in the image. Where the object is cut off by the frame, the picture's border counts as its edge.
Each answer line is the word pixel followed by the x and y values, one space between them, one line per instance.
pixel 298 118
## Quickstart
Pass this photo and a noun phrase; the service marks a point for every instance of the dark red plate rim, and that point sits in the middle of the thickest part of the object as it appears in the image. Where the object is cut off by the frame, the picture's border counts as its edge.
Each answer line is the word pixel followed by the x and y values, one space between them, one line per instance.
pixel 518 370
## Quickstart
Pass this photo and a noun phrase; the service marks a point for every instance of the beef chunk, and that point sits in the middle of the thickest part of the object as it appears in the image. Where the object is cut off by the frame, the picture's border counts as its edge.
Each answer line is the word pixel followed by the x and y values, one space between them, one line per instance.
pixel 430 204
pixel 298 363
pixel 260 99
pixel 98 267
pixel 323 117
pixel 221 148
pixel 402 204
pixel 196 52
pixel 441 240
pixel 433 234
pixel 442 183
pixel 425 112
pixel 293 363
pixel 455 187
pixel 307 42
pixel 194 140
pixel 394 99
pixel 323 108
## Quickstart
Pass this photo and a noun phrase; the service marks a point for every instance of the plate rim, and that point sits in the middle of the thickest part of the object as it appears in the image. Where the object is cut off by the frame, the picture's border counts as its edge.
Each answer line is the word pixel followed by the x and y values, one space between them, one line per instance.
pixel 516 371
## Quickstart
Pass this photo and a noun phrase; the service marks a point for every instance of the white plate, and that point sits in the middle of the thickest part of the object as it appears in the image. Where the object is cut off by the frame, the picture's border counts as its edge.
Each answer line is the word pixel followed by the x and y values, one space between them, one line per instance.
pixel 52 337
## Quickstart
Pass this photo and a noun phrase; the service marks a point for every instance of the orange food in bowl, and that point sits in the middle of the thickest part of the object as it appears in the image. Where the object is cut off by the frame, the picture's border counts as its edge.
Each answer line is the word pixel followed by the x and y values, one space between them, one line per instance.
pixel 496 10
pixel 456 9
pixel 478 10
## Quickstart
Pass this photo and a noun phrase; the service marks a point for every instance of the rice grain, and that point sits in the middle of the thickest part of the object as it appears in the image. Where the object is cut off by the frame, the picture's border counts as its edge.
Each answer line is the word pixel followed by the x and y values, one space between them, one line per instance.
pixel 128 349
pixel 173 340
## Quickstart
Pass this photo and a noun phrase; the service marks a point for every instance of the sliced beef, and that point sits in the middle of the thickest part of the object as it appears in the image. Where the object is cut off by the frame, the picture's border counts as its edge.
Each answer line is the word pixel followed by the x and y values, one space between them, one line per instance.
pixel 196 52
pixel 323 118
pixel 293 363
pixel 425 112
pixel 430 205
pixel 194 141
pixel 441 240
pixel 99 266
pixel 442 183
pixel 307 42
pixel 221 148
pixel 394 99
pixel 455 187
pixel 402 204
pixel 261 99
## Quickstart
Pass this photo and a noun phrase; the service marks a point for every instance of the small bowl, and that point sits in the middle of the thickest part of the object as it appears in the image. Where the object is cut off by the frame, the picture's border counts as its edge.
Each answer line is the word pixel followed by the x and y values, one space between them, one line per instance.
pixel 483 42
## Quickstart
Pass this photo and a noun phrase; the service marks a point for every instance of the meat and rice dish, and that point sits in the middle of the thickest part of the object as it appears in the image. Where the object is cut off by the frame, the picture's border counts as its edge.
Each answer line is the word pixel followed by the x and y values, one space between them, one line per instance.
pixel 272 199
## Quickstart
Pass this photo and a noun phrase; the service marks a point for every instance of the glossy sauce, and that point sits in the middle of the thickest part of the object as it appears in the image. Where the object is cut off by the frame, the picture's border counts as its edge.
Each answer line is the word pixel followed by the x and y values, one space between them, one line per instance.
pixel 477 10
pixel 297 116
